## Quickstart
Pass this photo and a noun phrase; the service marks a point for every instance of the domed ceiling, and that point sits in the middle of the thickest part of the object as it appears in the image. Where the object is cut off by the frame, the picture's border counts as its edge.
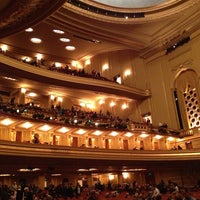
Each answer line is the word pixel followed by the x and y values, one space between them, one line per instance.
pixel 131 3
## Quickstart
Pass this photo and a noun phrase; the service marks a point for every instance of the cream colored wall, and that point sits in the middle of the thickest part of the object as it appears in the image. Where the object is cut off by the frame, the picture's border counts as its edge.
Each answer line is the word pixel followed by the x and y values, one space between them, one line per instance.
pixel 162 71
pixel 118 62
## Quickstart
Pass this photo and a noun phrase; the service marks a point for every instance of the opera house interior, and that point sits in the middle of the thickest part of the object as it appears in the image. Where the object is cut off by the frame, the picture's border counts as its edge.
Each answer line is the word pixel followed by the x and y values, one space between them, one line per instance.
pixel 100 94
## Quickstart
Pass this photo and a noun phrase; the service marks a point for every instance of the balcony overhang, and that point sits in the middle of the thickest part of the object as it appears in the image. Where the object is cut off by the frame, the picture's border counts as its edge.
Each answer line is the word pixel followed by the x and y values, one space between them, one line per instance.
pixel 14 68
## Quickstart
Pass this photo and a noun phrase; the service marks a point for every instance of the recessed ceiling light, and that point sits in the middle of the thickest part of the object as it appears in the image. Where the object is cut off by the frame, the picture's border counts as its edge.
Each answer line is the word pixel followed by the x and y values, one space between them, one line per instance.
pixel 7 122
pixel 82 170
pixel 45 128
pixel 70 48
pixel 56 174
pixel 26 125
pixel 63 130
pixel 113 133
pixel 36 40
pixel 58 31
pixel 64 39
pixel 5 174
pixel 29 30
pixel 9 78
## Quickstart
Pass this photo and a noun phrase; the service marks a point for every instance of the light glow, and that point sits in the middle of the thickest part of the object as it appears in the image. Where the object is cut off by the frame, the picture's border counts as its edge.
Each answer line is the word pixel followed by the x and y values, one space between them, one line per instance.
pixel 170 138
pixel 97 133
pixel 26 125
pixel 101 101
pixel 58 31
pixel 32 94
pixel 36 40
pixel 80 131
pixel 144 135
pixel 63 130
pixel 57 64
pixel 64 40
pixel 7 122
pixel 125 175
pixel 127 73
pixel 74 63
pixel 70 48
pixel 29 30
pixel 23 90
pixel 128 134
pixel 60 99
pixel 111 177
pixel 45 127
pixel 39 56
pixel 114 133
pixel 4 48
pixel 158 137
pixel 87 62
pixel 105 67
pixel 112 104
pixel 124 106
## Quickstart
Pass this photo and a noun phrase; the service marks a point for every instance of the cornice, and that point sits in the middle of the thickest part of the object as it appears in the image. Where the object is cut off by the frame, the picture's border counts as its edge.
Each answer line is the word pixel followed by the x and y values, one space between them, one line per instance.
pixel 110 14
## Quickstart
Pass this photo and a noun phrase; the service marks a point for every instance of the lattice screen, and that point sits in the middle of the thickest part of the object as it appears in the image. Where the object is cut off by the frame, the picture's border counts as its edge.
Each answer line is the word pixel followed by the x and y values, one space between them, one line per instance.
pixel 192 107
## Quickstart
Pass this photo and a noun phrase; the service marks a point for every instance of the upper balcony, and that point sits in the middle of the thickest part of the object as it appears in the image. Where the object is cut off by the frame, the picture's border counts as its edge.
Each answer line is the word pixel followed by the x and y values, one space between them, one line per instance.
pixel 20 71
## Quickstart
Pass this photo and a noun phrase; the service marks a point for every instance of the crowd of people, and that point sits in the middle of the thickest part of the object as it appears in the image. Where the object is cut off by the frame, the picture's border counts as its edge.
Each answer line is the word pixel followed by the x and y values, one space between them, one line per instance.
pixel 66 191
pixel 72 116
pixel 66 70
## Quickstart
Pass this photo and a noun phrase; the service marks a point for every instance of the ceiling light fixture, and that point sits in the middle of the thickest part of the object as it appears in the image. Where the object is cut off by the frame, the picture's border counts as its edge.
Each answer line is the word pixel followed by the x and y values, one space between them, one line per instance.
pixel 58 31
pixel 70 48
pixel 97 133
pixel 80 131
pixel 113 133
pixel 29 30
pixel 63 130
pixel 7 122
pixel 36 40
pixel 26 125
pixel 64 40
pixel 128 134
pixel 9 78
pixel 45 128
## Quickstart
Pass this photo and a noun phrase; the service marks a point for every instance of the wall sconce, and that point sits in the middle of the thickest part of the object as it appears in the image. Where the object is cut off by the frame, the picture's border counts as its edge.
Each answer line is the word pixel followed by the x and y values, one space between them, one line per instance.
pixel 23 90
pixel 125 175
pixel 112 104
pixel 101 101
pixel 39 56
pixel 74 63
pixel 60 99
pixel 124 106
pixel 52 97
pixel 105 67
pixel 57 64
pixel 4 48
pixel 111 177
pixel 87 62
pixel 127 73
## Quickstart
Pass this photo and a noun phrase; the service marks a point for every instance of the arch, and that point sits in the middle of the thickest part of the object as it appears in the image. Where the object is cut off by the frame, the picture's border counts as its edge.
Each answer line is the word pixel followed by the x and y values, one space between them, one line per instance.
pixel 186 87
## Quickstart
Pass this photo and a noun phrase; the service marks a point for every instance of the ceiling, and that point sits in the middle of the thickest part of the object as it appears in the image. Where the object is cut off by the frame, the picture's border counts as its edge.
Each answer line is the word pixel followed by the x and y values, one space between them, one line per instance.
pixel 92 33
pixel 131 3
